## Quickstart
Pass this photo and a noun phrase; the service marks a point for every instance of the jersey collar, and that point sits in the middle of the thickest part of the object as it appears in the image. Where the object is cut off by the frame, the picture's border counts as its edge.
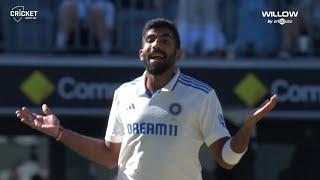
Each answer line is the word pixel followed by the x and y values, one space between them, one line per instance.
pixel 168 87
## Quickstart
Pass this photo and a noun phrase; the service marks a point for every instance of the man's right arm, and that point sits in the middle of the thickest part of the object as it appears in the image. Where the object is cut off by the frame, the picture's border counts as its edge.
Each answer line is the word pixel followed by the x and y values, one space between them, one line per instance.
pixel 96 150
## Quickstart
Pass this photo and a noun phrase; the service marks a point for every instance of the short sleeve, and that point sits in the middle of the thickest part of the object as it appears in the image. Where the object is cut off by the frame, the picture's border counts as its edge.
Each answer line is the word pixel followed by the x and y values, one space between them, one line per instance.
pixel 212 124
pixel 115 130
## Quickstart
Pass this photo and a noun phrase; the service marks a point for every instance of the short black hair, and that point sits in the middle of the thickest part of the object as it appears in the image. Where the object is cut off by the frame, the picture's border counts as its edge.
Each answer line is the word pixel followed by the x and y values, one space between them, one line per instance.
pixel 162 23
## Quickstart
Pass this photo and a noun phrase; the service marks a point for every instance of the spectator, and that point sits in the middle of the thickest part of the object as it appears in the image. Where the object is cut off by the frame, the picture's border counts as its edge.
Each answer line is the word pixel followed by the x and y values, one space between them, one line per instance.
pixel 304 32
pixel 98 15
pixel 199 27
pixel 140 4
pixel 254 36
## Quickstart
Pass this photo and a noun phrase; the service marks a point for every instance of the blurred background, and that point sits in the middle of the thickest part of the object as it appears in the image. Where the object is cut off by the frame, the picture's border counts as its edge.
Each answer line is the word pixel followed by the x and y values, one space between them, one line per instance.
pixel 72 55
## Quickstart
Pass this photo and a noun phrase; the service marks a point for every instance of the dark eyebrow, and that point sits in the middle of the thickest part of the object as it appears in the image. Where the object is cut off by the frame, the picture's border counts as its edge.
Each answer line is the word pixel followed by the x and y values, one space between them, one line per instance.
pixel 163 35
pixel 167 35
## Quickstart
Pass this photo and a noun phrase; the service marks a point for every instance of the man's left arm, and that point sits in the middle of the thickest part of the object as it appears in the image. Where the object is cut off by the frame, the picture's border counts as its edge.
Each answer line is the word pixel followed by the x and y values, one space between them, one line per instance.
pixel 228 151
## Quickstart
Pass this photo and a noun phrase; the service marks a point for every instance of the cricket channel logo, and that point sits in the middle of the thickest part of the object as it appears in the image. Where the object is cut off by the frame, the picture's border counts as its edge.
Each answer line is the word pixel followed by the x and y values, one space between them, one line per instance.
pixel 19 12
pixel 279 17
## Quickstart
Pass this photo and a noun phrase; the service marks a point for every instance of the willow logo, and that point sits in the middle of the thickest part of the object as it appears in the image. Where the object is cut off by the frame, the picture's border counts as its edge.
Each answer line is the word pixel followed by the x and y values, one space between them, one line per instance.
pixel 250 90
pixel 281 17
pixel 37 87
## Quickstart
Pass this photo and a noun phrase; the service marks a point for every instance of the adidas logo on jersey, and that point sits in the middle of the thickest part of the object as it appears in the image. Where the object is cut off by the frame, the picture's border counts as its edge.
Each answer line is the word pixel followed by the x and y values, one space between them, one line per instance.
pixel 131 107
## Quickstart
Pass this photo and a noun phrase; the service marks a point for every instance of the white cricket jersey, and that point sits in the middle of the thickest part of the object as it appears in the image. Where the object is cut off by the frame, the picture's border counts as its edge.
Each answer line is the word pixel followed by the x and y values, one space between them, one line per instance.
pixel 161 133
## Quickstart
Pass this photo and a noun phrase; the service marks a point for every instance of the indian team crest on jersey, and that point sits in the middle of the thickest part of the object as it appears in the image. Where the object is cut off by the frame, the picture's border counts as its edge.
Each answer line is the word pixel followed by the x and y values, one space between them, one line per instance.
pixel 175 109
pixel 221 120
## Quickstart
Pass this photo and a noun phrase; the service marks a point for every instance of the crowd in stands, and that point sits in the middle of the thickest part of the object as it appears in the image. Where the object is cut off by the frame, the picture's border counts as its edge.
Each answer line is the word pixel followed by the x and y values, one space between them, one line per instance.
pixel 98 16
pixel 208 28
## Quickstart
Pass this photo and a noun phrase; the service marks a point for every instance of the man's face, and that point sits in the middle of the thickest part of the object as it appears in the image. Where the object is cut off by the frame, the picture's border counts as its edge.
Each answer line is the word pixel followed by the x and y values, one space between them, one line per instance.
pixel 159 51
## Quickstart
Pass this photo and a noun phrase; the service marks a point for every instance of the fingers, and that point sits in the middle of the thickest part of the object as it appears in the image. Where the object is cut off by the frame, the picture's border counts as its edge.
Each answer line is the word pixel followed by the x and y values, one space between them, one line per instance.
pixel 46 110
pixel 266 108
pixel 25 114
pixel 32 119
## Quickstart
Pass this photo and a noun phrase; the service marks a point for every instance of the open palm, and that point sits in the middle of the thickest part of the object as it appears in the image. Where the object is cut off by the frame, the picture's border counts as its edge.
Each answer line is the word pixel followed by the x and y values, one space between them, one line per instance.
pixel 47 123
pixel 262 111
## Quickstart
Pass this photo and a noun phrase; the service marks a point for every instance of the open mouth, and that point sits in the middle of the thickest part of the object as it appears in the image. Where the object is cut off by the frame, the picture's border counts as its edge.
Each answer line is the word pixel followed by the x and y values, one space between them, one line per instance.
pixel 157 56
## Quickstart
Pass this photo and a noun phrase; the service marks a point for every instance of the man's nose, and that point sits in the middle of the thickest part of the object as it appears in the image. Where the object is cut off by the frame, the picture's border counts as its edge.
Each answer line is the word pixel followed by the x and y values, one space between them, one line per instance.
pixel 156 44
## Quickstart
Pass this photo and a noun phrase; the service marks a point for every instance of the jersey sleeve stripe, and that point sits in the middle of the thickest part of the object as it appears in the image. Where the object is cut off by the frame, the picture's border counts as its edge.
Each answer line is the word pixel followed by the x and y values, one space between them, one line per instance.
pixel 194 86
pixel 196 81
pixel 190 81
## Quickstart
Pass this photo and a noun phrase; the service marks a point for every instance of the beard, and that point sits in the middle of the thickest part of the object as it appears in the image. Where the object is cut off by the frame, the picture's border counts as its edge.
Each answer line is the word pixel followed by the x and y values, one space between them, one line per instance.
pixel 158 68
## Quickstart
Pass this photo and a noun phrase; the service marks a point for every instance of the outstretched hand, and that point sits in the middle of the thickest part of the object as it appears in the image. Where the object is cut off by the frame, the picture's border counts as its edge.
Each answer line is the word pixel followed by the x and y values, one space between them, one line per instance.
pixel 47 123
pixel 262 111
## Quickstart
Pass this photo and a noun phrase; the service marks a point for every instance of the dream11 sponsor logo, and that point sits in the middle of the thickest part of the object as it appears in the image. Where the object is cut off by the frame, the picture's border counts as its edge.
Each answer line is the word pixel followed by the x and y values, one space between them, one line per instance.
pixel 18 13
pixel 279 17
